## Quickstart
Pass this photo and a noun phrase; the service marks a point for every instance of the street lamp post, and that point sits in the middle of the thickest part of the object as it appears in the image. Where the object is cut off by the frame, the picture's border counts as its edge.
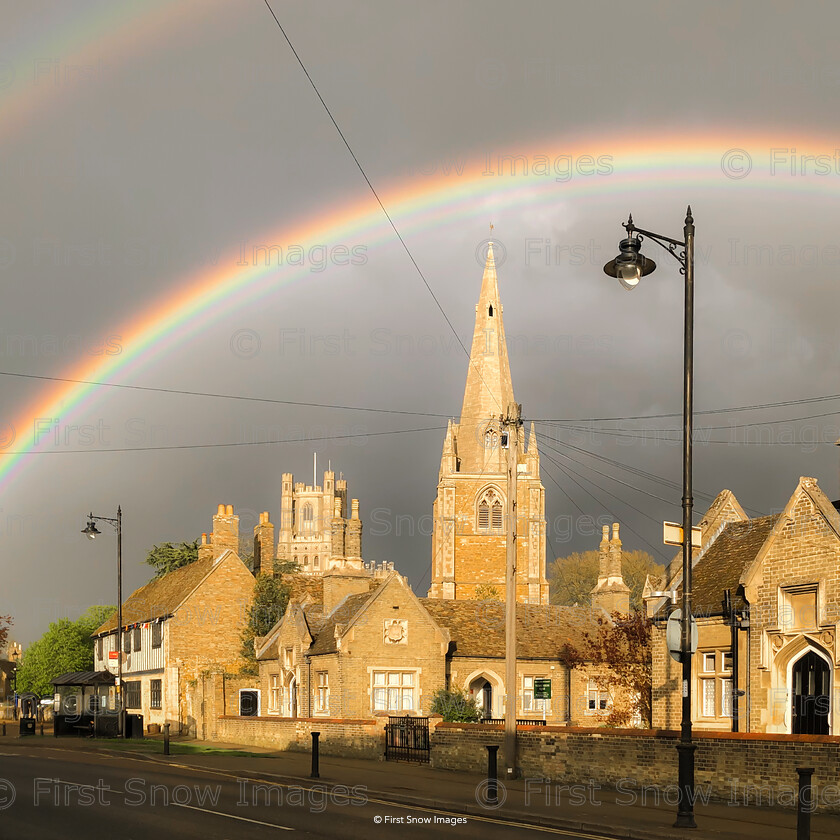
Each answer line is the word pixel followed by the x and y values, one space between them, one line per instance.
pixel 91 532
pixel 15 658
pixel 629 267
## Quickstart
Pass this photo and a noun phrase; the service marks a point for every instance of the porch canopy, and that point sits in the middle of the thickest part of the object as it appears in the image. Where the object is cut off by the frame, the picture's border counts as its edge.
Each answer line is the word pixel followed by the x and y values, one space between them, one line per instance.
pixel 85 678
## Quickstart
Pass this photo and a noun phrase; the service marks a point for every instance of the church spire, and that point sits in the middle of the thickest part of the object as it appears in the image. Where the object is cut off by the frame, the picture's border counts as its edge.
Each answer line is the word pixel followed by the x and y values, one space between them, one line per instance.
pixel 489 389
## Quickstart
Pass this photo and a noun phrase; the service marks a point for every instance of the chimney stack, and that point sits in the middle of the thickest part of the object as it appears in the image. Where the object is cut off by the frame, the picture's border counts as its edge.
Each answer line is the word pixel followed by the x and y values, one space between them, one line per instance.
pixel 611 593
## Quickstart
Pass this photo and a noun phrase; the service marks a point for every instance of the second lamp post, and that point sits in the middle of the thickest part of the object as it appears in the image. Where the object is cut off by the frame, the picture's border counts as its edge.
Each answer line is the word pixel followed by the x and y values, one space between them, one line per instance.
pixel 629 267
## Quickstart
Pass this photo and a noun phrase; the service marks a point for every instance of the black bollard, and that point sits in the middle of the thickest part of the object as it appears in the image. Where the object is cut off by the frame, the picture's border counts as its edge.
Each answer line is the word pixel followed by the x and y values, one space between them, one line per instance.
pixel 804 803
pixel 42 730
pixel 4 728
pixel 492 775
pixel 314 774
pixel 166 739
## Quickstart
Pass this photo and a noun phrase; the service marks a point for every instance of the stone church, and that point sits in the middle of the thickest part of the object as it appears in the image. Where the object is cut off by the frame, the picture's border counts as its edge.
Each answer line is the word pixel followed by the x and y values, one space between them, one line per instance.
pixel 468 544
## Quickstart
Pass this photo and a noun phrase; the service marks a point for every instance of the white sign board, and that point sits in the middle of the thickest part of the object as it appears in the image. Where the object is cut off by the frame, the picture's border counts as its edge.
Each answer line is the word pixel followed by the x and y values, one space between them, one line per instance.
pixel 672 534
pixel 673 635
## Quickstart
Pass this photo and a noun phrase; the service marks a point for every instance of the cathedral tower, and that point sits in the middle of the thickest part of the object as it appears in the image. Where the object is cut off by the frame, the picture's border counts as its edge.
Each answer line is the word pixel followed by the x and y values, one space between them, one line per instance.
pixel 315 531
pixel 468 543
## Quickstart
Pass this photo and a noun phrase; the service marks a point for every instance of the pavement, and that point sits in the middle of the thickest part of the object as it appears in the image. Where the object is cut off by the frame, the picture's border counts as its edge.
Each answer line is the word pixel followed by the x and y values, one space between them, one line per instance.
pixel 578 811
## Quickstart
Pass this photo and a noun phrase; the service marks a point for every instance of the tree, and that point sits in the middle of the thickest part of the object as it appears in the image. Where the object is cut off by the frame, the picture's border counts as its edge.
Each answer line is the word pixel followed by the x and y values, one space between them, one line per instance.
pixel 455 705
pixel 5 623
pixel 67 646
pixel 167 557
pixel 573 578
pixel 268 606
pixel 618 652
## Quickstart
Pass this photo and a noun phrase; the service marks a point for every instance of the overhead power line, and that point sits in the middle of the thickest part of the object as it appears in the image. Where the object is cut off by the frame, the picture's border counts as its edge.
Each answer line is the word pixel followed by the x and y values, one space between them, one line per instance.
pixel 376 195
pixel 405 412
pixel 222 445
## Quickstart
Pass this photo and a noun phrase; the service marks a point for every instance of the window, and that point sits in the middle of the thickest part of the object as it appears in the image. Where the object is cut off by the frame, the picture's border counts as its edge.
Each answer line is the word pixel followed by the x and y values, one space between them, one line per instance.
pixel 490 511
pixel 597 699
pixel 155 694
pixel 316 563
pixel 530 704
pixel 307 518
pixel 126 641
pixel 491 439
pixel 157 634
pixel 99 648
pixel 715 680
pixel 274 693
pixel 708 698
pixel 393 691
pixel 322 702
pixel 798 608
pixel 133 695
pixel 137 636
pixel 288 657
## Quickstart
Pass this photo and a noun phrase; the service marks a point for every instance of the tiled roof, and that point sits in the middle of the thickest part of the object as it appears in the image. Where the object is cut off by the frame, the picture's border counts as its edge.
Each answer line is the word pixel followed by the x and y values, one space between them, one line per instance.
pixel 477 628
pixel 342 614
pixel 724 562
pixel 160 596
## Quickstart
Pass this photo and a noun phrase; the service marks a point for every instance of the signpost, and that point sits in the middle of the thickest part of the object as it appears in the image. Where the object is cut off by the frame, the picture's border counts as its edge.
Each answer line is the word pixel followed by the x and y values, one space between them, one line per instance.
pixel 672 534
pixel 673 635
pixel 542 688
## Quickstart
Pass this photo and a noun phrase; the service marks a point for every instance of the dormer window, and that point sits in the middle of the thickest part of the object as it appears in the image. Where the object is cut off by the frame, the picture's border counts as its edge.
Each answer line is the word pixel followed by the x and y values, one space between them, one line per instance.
pixel 490 310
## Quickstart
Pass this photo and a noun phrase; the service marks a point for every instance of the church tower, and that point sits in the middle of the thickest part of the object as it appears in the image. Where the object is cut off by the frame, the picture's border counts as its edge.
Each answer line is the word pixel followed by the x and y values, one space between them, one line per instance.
pixel 468 543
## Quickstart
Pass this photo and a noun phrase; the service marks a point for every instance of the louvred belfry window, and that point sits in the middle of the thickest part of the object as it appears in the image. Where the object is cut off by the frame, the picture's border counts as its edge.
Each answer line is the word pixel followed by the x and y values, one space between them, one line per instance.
pixel 490 512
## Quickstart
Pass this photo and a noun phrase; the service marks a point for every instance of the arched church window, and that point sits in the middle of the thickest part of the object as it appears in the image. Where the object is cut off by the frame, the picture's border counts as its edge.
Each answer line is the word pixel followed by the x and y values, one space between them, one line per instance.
pixel 490 511
pixel 316 564
pixel 490 311
pixel 307 518
pixel 491 439
pixel 305 559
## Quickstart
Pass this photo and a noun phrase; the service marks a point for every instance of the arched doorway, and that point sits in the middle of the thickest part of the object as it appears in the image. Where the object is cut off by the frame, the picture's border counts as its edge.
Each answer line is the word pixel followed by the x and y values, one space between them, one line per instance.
pixel 811 695
pixel 482 691
pixel 291 697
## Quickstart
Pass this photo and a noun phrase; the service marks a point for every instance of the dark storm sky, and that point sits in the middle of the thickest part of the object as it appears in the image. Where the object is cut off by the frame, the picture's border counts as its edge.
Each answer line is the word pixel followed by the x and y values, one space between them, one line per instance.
pixel 143 147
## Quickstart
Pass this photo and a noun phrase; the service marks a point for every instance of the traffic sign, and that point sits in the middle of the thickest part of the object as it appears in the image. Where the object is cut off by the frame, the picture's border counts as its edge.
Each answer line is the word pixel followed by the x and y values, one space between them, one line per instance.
pixel 672 534
pixel 673 635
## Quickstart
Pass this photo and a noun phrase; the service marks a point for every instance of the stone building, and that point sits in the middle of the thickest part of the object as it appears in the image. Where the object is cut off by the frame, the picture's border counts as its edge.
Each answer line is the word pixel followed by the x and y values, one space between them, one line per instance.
pixel 317 530
pixel 470 511
pixel 371 646
pixel 782 574
pixel 178 626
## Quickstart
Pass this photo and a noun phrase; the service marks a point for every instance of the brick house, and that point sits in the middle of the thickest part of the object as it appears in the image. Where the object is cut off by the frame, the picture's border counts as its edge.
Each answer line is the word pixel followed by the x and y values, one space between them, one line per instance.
pixel 176 627
pixel 782 574
pixel 371 646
